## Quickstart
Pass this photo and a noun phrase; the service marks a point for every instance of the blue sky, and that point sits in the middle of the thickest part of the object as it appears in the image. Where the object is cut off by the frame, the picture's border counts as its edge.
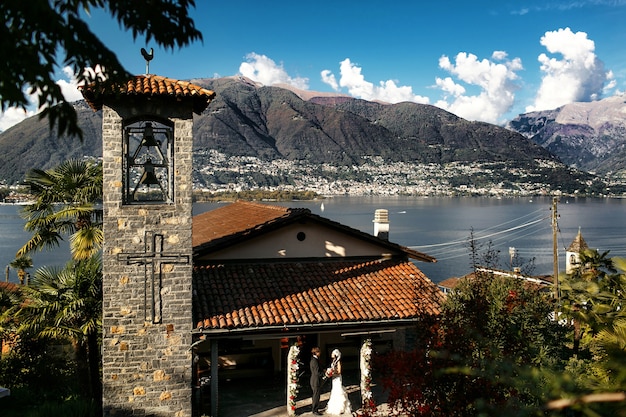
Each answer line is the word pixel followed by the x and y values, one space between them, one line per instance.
pixel 482 60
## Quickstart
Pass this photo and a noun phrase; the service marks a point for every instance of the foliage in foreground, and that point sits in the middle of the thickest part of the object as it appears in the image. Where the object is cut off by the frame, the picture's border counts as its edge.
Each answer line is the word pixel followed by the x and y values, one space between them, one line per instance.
pixel 40 37
pixel 496 350
pixel 66 205
pixel 475 359
pixel 55 321
pixel 39 366
pixel 55 324
pixel 21 404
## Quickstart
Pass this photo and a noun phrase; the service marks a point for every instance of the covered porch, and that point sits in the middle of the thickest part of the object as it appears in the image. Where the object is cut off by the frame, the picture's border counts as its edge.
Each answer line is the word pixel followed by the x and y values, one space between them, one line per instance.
pixel 252 372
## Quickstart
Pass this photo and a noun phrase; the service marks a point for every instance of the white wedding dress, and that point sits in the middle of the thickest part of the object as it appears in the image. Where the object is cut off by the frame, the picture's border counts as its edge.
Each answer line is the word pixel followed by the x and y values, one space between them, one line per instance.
pixel 338 402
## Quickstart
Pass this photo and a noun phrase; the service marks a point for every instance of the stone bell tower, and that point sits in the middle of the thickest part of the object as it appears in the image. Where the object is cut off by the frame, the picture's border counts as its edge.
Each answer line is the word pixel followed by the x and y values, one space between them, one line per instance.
pixel 147 266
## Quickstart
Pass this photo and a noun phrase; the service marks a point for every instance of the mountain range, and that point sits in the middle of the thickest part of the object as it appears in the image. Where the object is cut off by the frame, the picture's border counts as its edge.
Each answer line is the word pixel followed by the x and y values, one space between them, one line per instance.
pixel 589 136
pixel 248 119
pixel 253 120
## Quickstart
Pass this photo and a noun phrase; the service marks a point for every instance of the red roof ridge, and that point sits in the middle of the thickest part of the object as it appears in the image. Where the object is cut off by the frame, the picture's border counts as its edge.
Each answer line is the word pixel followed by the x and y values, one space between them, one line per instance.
pixel 260 205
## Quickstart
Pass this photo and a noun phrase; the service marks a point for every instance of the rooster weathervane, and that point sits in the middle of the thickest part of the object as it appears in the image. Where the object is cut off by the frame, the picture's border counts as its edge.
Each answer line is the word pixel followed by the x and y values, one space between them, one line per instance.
pixel 148 57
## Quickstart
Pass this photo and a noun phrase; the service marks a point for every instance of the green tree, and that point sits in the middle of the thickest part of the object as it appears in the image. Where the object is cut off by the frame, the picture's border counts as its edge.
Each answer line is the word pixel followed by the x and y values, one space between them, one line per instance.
pixel 593 298
pixel 495 349
pixel 40 36
pixel 66 204
pixel 21 264
pixel 491 351
pixel 66 305
pixel 494 334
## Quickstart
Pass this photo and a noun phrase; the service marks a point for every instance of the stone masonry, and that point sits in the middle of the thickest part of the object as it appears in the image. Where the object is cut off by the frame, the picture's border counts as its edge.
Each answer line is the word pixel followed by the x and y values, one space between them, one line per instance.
pixel 146 359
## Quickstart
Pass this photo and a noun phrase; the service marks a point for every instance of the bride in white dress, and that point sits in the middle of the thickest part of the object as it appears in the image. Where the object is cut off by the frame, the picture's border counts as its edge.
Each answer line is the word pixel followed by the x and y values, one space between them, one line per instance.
pixel 338 402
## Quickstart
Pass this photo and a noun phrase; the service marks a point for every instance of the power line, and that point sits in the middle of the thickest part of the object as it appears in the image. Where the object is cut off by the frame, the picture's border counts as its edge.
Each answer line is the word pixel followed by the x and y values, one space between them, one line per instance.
pixel 477 236
pixel 517 228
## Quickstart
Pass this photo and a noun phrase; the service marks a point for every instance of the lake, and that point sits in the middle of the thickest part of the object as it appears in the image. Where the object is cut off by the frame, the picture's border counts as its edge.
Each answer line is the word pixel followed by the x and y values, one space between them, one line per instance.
pixel 438 226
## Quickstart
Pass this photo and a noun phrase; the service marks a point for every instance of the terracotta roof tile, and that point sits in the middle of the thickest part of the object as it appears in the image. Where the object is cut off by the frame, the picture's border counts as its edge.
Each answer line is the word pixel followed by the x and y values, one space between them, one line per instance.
pixel 150 86
pixel 282 294
pixel 9 286
pixel 237 217
pixel 450 283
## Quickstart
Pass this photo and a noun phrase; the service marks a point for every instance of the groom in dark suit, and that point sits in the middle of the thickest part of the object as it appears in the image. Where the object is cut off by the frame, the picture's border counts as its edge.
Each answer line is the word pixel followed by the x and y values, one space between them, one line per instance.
pixel 315 380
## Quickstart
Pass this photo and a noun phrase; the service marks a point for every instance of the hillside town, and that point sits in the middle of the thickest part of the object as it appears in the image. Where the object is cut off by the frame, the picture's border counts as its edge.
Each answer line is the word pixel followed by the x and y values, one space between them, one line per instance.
pixel 222 173
pixel 216 172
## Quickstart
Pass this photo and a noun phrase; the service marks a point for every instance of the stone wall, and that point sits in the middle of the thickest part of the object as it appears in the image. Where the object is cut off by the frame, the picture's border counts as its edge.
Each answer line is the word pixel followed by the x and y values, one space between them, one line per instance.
pixel 146 356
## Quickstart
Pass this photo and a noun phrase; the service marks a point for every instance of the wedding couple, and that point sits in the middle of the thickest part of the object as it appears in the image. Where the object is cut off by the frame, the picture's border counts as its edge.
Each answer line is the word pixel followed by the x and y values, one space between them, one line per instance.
pixel 338 402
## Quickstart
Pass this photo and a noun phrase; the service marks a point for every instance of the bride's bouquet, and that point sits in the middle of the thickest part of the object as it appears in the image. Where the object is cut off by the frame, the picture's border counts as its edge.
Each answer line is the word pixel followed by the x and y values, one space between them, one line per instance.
pixel 328 374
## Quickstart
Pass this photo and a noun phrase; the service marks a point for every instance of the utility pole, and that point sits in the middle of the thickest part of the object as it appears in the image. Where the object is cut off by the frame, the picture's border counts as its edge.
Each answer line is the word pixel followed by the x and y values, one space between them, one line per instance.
pixel 555 255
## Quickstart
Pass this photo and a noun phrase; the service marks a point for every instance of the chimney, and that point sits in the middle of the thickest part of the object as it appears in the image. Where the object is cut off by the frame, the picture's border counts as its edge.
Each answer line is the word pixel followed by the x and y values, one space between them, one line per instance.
pixel 381 224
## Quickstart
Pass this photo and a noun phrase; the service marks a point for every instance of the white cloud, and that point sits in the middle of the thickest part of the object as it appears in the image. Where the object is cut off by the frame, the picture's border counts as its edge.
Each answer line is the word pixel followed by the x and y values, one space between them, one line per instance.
pixel 14 115
pixel 387 91
pixel 329 78
pixel 611 82
pixel 450 87
pixel 69 86
pixel 495 79
pixel 578 76
pixel 262 69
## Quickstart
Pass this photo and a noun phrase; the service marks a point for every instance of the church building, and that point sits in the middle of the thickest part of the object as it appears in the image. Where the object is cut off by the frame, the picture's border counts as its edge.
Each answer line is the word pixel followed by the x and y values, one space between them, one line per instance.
pixel 232 287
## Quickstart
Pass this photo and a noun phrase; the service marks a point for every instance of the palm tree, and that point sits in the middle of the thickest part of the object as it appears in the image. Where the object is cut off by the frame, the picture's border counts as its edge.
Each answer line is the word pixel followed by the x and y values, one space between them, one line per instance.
pixel 21 264
pixel 585 290
pixel 65 205
pixel 66 305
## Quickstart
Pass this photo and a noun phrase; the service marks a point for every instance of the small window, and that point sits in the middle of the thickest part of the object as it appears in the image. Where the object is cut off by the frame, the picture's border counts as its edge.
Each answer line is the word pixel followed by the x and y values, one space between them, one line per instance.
pixel 301 236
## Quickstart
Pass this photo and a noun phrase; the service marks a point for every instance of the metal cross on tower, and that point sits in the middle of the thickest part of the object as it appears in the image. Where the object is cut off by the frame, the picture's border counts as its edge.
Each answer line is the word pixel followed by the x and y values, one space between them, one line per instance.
pixel 153 258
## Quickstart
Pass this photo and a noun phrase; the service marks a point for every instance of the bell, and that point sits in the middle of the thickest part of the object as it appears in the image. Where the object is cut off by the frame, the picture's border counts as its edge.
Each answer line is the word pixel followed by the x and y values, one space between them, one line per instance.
pixel 148 136
pixel 148 177
pixel 147 180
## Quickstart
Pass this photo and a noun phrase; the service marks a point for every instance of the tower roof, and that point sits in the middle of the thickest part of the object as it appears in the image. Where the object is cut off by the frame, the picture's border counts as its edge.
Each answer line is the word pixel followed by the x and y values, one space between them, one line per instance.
pixel 578 244
pixel 150 86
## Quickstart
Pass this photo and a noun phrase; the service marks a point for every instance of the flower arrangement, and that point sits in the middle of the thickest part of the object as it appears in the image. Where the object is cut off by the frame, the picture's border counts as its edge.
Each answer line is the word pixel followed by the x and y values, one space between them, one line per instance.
pixel 328 374
pixel 368 405
pixel 292 379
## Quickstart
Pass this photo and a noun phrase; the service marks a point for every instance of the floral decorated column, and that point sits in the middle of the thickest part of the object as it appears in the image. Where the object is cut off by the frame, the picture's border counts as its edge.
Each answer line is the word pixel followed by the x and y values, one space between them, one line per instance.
pixel 293 365
pixel 367 402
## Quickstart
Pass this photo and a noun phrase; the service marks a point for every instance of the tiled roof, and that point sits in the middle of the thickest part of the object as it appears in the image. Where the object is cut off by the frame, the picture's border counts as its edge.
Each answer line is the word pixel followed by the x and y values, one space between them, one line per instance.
pixel 231 297
pixel 151 86
pixel 9 286
pixel 540 280
pixel 449 283
pixel 236 218
pixel 231 223
pixel 578 244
